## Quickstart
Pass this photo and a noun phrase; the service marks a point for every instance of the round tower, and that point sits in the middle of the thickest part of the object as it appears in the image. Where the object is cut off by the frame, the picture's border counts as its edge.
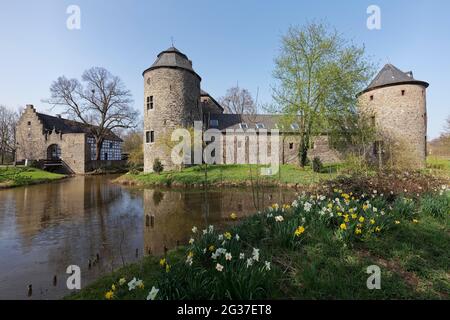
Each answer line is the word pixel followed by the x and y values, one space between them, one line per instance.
pixel 171 101
pixel 396 104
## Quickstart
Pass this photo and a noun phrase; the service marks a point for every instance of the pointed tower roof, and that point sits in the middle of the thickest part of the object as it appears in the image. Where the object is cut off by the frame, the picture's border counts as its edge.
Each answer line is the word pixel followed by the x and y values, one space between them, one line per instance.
pixel 172 58
pixel 391 75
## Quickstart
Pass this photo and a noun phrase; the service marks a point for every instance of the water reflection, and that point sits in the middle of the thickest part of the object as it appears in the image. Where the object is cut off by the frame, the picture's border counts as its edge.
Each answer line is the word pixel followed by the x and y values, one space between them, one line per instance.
pixel 45 228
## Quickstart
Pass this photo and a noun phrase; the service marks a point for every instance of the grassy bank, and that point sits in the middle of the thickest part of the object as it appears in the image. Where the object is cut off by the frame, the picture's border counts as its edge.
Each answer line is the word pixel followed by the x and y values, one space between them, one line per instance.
pixel 20 176
pixel 233 175
pixel 317 247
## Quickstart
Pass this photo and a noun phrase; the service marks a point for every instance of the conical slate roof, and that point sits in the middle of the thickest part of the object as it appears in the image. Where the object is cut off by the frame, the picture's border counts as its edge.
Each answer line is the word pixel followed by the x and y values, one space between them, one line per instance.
pixel 172 58
pixel 391 75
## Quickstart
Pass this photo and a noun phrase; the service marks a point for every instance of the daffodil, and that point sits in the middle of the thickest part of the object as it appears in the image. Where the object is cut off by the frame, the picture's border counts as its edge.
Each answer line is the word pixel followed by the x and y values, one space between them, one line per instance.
pixel 397 222
pixel 358 231
pixel 227 235
pixel 354 216
pixel 191 241
pixel 211 248
pixel 361 219
pixel 343 226
pixel 372 221
pixel 113 287
pixel 233 216
pixel 377 229
pixel 219 267
pixel 167 268
pixel 415 221
pixel 298 232
pixel 194 229
pixel 162 262
pixel 122 281
pixel 279 219
pixel 267 265
pixel 228 256
pixel 152 294
pixel 109 295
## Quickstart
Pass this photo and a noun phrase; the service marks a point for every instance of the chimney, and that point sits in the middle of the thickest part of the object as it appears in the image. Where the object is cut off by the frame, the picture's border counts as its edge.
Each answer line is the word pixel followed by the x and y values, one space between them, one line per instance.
pixel 409 74
pixel 58 116
pixel 30 106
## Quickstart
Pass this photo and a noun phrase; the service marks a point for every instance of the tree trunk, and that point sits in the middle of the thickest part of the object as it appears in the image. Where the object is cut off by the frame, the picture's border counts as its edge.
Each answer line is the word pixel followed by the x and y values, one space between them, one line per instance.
pixel 98 148
pixel 303 151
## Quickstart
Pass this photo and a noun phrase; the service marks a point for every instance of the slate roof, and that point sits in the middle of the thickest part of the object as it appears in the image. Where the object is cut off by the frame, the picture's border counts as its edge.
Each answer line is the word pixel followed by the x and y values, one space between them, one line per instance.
pixel 391 75
pixel 206 94
pixel 233 121
pixel 172 58
pixel 64 126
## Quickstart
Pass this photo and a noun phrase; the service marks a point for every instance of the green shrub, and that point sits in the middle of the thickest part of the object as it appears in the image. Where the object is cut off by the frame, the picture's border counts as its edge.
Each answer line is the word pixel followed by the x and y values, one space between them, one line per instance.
pixel 158 166
pixel 317 164
pixel 437 206
pixel 403 208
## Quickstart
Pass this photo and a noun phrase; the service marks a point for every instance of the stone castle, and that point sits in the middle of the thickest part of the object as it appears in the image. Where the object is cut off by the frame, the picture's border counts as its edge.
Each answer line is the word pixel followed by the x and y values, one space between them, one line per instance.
pixel 173 97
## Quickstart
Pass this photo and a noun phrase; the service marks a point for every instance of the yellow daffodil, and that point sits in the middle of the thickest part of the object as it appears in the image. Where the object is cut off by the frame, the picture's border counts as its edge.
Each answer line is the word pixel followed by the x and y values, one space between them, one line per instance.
pixel 299 231
pixel 113 287
pixel 365 207
pixel 330 205
pixel 397 222
pixel 190 254
pixel 415 221
pixel 211 248
pixel 167 268
pixel 227 235
pixel 122 281
pixel 346 219
pixel 377 229
pixel 141 284
pixel 361 219
pixel 339 214
pixel 109 295
pixel 358 231
pixel 354 216
pixel 351 210
pixel 162 262
pixel 233 216
pixel 372 221
pixel 343 226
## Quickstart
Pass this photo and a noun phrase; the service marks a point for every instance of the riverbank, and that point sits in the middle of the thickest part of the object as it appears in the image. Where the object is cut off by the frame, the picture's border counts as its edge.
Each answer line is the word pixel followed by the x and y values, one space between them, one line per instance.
pixel 233 176
pixel 11 177
pixel 317 247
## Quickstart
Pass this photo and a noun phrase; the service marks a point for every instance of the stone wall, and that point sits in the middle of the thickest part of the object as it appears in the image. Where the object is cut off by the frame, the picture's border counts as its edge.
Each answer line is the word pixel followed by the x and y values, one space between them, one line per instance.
pixel 399 113
pixel 176 103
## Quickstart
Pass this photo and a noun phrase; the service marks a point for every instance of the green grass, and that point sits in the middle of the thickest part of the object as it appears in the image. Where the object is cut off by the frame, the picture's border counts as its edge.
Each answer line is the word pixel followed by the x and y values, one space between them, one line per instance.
pixel 20 176
pixel 439 165
pixel 325 262
pixel 233 174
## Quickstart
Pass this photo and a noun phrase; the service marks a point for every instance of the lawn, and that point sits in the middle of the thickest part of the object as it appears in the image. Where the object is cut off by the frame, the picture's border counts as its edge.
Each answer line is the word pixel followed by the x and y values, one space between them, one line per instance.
pixel 20 176
pixel 317 247
pixel 233 175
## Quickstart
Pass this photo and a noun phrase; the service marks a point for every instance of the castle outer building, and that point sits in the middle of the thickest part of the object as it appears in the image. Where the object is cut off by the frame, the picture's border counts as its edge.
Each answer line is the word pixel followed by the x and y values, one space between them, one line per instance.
pixel 174 99
pixel 396 103
pixel 53 141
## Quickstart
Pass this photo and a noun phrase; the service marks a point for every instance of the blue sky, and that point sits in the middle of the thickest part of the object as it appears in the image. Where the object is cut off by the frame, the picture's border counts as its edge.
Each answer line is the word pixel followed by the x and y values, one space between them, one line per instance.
pixel 229 41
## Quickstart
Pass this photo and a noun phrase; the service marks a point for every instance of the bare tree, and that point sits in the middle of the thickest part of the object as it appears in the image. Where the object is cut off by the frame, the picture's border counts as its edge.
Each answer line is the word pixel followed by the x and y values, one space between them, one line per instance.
pixel 100 101
pixel 8 121
pixel 238 101
pixel 447 126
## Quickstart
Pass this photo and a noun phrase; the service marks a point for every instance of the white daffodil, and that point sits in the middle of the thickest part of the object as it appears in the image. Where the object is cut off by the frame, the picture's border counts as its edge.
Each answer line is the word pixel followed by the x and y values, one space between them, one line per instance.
pixel 307 206
pixel 237 237
pixel 267 265
pixel 220 237
pixel 219 267
pixel 211 229
pixel 191 241
pixel 249 262
pixel 132 284
pixel 152 294
pixel 228 256
pixel 279 219
pixel 194 229
pixel 255 254
pixel 242 256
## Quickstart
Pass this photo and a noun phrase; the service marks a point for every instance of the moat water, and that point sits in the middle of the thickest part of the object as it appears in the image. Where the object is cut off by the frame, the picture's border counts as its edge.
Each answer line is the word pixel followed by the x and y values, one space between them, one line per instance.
pixel 45 228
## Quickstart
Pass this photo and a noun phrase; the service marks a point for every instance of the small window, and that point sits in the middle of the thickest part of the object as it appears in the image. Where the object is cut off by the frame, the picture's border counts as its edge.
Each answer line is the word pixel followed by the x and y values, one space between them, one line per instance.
pixel 260 126
pixel 243 125
pixel 29 123
pixel 291 146
pixel 371 98
pixel 214 123
pixel 150 103
pixel 149 136
pixel 295 126
pixel 110 145
pixel 403 92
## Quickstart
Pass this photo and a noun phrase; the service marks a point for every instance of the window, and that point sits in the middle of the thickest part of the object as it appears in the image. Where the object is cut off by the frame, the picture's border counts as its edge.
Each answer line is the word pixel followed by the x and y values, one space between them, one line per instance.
pixel 295 126
pixel 150 136
pixel 403 92
pixel 371 98
pixel 29 123
pixel 260 126
pixel 291 146
pixel 110 145
pixel 243 125
pixel 150 103
pixel 213 123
